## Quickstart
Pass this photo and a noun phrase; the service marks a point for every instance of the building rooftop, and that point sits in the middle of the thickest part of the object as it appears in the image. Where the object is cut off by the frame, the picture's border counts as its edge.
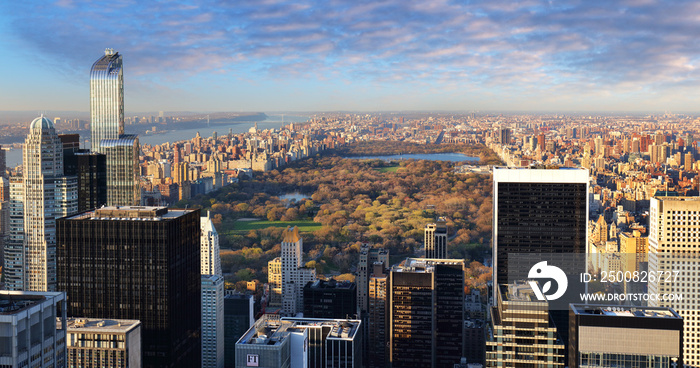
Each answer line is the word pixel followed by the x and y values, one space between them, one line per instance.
pixel 14 301
pixel 330 284
pixel 290 235
pixel 99 325
pixel 134 213
pixel 624 311
pixel 424 264
pixel 271 330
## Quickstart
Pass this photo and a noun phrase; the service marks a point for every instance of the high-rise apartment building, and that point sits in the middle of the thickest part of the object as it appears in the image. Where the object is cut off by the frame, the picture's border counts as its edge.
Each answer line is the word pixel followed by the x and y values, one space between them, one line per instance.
pixel 377 318
pixel 42 195
pixel 209 240
pixel 122 170
pixel 435 239
pixel 522 333
pixel 674 239
pixel 368 256
pixel 426 310
pixel 32 329
pixel 91 171
pixel 274 280
pixel 293 276
pixel 625 336
pixel 104 343
pixel 212 321
pixel 106 99
pixel 137 263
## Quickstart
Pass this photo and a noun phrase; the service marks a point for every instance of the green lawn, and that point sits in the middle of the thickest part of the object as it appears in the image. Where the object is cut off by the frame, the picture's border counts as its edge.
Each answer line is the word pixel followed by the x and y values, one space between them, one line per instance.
pixel 304 225
pixel 388 169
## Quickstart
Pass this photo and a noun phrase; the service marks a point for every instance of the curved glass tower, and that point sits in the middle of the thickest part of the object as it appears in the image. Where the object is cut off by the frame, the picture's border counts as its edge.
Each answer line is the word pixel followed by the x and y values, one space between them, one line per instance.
pixel 106 99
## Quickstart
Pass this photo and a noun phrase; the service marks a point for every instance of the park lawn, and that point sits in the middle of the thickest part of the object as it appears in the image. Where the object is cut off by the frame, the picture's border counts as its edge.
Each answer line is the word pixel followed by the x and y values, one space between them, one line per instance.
pixel 392 169
pixel 304 225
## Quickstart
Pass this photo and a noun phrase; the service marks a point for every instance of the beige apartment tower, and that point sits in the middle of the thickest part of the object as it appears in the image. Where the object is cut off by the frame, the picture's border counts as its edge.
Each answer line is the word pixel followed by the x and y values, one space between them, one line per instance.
pixel 104 343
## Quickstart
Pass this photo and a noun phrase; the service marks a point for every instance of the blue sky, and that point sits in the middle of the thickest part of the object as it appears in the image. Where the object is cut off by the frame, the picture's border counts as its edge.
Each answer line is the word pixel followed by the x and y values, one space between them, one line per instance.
pixel 270 55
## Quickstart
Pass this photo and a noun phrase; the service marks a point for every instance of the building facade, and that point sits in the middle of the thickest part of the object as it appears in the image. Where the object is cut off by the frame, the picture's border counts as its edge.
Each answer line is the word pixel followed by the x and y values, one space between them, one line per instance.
pixel 32 329
pixel 103 343
pixel 106 99
pixel 137 263
pixel 212 321
pixel 209 240
pixel 122 170
pixel 91 171
pixel 435 239
pixel 238 317
pixel 330 299
pixel 294 276
pixel 674 223
pixel 522 333
pixel 426 310
pixel 624 336
pixel 377 318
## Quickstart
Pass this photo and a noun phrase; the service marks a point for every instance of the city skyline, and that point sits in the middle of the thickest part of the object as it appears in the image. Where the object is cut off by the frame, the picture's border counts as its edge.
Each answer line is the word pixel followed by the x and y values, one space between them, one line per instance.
pixel 378 56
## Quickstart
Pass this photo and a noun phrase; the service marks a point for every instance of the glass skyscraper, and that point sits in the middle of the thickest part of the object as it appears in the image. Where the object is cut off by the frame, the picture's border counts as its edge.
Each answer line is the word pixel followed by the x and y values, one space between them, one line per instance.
pixel 106 99
pixel 122 168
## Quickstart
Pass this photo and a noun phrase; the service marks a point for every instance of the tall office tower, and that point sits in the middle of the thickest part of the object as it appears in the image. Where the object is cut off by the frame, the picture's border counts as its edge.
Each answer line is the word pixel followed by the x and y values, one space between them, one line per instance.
pixel 522 333
pixel 212 321
pixel 137 263
pixel 33 326
pixel 300 342
pixel 377 318
pixel 625 336
pixel 106 99
pixel 43 195
pixel 294 277
pixel 368 256
pixel 504 135
pixel 104 343
pixel 91 171
pixel 209 240
pixel 673 249
pixel 330 299
pixel 122 170
pixel 435 239
pixel 426 310
pixel 238 317
pixel 538 211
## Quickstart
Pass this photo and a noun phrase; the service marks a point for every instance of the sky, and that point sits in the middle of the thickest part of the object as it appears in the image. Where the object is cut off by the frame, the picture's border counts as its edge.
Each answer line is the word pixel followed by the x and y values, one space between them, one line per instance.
pixel 356 55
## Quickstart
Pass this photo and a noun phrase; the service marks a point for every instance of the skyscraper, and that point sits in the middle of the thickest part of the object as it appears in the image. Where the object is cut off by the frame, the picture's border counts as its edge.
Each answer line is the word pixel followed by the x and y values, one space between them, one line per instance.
pixel 538 211
pixel 122 170
pixel 673 249
pixel 435 239
pixel 426 310
pixel 42 195
pixel 212 321
pixel 377 318
pixel 106 99
pixel 212 296
pixel 137 263
pixel 239 310
pixel 209 240
pixel 294 276
pixel 368 256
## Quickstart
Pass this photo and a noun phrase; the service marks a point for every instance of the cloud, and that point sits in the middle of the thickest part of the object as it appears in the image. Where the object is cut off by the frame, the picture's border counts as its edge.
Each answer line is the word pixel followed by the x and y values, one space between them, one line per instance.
pixel 514 45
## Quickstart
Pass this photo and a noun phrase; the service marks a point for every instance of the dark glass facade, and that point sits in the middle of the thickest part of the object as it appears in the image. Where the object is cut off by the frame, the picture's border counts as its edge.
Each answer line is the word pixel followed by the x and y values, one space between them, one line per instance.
pixel 236 322
pixel 137 263
pixel 91 170
pixel 539 218
pixel 426 315
pixel 330 299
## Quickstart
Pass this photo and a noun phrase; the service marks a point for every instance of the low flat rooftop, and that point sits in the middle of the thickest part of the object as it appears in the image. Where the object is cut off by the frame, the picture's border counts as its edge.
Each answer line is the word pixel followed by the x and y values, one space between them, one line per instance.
pixel 624 311
pixel 101 325
pixel 425 264
pixel 132 213
pixel 271 330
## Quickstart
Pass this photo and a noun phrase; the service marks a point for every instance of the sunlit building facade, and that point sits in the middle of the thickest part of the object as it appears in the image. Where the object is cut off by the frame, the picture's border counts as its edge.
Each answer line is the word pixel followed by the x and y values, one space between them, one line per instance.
pixel 106 99
pixel 122 169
